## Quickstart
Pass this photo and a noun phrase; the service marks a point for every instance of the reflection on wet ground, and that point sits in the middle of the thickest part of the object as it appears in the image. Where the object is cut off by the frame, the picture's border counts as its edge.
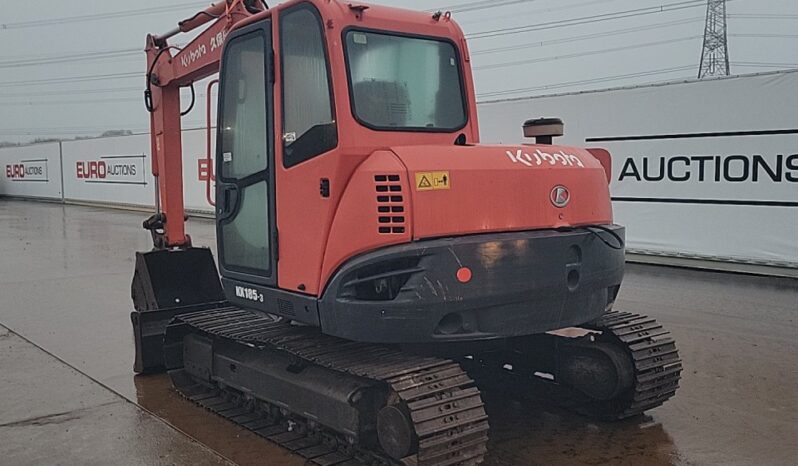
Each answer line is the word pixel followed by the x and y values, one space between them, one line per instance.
pixel 522 433
pixel 529 434
pixel 155 394
pixel 65 284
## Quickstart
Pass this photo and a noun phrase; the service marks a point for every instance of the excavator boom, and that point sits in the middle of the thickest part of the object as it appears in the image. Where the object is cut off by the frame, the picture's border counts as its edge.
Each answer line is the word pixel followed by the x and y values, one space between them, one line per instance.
pixel 170 68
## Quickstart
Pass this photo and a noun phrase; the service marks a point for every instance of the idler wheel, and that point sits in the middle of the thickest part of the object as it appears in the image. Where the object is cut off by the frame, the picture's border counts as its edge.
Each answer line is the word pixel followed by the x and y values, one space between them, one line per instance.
pixel 396 433
pixel 600 370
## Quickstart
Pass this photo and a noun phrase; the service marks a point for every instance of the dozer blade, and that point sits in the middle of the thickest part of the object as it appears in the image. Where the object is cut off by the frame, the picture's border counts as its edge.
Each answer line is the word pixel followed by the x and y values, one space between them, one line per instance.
pixel 167 283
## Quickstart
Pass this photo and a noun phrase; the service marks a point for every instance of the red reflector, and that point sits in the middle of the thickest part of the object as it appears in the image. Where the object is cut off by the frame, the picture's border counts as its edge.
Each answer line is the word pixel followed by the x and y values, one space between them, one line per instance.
pixel 464 275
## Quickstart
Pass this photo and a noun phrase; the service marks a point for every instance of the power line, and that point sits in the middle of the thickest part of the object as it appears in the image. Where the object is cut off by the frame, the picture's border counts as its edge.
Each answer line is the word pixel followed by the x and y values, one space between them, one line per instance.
pixel 483 34
pixel 69 102
pixel 584 54
pixel 98 16
pixel 585 81
pixel 755 64
pixel 73 92
pixel 767 36
pixel 761 16
pixel 83 56
pixel 570 39
pixel 589 19
pixel 136 74
pixel 78 92
pixel 481 5
pixel 87 56
pixel 527 12
pixel 81 101
pixel 72 79
pixel 26 56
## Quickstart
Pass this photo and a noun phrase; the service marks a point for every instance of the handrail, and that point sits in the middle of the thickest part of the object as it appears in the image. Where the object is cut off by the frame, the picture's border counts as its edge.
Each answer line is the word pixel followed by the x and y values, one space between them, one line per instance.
pixel 208 157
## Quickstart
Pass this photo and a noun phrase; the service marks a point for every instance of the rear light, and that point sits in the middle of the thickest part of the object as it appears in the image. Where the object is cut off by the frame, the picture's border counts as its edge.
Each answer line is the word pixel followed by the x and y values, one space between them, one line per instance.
pixel 464 275
pixel 605 159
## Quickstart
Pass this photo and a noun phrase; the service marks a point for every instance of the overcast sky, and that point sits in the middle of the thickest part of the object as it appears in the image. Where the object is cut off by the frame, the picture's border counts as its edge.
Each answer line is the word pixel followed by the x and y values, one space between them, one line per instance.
pixel 599 53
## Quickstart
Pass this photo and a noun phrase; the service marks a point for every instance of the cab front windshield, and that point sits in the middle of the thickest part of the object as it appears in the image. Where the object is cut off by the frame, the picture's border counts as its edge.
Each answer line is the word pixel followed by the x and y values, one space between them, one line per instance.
pixel 404 83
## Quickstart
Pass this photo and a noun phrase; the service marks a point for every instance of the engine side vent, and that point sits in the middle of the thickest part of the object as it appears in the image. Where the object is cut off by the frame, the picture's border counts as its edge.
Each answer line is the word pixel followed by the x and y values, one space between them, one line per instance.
pixel 390 205
pixel 285 307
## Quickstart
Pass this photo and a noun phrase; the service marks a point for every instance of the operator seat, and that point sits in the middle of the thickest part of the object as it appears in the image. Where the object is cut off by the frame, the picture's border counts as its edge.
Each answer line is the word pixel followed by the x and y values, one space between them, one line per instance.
pixel 382 103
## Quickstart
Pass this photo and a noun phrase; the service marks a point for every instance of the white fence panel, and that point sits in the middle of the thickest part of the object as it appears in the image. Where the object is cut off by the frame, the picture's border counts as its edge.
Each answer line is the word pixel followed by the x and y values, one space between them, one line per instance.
pixel 195 170
pixel 113 170
pixel 116 170
pixel 31 171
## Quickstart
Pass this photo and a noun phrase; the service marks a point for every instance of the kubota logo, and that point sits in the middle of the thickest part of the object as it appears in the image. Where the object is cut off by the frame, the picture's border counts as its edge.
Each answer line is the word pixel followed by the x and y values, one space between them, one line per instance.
pixel 190 56
pixel 560 196
pixel 539 157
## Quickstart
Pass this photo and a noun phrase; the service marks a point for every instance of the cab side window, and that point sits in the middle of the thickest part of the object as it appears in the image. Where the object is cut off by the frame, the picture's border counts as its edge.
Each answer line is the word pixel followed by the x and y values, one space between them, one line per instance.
pixel 309 127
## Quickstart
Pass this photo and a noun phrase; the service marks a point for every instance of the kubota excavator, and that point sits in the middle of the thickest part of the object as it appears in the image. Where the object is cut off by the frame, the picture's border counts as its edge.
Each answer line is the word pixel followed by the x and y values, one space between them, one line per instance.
pixel 375 259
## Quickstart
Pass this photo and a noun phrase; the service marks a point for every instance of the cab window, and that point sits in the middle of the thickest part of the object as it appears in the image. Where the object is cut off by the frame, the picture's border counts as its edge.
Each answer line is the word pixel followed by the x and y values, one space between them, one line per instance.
pixel 309 127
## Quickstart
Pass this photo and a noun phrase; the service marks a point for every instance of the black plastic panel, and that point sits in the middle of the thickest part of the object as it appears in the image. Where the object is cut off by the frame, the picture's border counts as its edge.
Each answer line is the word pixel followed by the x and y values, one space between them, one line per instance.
pixel 294 306
pixel 521 283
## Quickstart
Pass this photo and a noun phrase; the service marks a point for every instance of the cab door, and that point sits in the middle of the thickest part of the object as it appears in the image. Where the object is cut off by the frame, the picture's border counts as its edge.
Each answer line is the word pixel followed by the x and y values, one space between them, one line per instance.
pixel 245 207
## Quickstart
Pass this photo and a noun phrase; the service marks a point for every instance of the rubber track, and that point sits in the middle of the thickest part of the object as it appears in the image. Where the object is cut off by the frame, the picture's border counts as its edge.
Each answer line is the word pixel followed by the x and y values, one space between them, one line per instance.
pixel 657 365
pixel 655 359
pixel 445 406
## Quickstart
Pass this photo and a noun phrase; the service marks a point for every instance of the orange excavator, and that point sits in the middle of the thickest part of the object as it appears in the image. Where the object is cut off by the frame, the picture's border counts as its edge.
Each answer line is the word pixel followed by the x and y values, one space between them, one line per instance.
pixel 376 263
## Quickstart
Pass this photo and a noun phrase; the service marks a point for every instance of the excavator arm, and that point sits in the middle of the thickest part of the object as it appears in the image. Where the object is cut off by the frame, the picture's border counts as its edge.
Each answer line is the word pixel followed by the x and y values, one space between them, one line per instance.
pixel 168 69
pixel 175 278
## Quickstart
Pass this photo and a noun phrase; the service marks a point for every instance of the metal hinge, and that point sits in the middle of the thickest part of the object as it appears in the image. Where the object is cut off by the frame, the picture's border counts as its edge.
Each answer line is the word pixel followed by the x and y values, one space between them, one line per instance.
pixel 276 247
pixel 271 66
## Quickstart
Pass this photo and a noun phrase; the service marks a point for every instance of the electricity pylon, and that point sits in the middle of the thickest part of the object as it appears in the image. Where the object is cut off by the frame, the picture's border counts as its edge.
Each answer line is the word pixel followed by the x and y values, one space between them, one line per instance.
pixel 715 55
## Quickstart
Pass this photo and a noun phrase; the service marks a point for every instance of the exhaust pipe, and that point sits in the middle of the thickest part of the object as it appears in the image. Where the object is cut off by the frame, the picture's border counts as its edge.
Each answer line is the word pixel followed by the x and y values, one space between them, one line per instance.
pixel 543 129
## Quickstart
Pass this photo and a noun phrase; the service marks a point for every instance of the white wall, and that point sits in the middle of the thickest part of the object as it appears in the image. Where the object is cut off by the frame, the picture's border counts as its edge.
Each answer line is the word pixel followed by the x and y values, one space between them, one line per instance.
pixel 193 188
pixel 114 170
pixel 31 171
pixel 733 216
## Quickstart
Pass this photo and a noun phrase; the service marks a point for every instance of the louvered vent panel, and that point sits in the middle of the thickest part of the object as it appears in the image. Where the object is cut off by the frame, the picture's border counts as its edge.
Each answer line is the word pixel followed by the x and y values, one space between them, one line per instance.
pixel 286 307
pixel 390 204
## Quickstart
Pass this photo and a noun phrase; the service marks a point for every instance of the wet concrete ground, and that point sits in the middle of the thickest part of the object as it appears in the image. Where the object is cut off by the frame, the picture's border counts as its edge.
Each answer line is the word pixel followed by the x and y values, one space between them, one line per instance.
pixel 65 285
pixel 52 414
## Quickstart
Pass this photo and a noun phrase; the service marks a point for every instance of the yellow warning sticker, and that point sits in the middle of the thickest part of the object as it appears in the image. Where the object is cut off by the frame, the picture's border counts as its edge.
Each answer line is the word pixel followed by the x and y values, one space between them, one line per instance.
pixel 428 181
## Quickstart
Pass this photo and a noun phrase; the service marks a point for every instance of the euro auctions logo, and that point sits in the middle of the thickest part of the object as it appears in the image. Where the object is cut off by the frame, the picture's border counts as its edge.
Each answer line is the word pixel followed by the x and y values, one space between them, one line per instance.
pixel 112 169
pixel 27 170
pixel 753 168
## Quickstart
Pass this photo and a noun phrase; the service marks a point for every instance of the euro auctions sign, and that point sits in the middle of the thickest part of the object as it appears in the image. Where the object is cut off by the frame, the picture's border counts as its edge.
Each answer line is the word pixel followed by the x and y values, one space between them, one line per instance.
pixel 752 168
pixel 112 169
pixel 27 170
